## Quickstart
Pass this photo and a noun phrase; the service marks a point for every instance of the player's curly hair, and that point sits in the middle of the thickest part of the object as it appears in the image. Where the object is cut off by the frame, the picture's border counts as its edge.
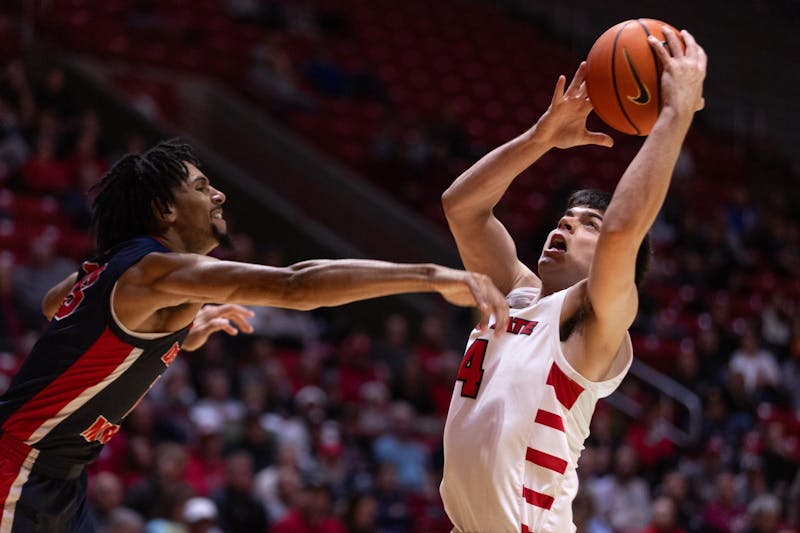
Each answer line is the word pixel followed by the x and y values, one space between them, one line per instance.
pixel 125 197
pixel 596 199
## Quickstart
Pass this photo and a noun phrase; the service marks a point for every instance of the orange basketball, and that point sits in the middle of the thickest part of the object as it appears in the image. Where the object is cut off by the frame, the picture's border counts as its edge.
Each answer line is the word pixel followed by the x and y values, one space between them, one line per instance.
pixel 624 76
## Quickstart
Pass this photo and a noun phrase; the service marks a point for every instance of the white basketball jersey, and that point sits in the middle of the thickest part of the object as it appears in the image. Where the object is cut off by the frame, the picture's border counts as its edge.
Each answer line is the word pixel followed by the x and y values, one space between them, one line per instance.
pixel 518 418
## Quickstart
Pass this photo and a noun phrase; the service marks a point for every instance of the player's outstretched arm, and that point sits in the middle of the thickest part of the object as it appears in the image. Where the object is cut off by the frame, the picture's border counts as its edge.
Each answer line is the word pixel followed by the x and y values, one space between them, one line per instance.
pixel 167 280
pixel 637 199
pixel 483 242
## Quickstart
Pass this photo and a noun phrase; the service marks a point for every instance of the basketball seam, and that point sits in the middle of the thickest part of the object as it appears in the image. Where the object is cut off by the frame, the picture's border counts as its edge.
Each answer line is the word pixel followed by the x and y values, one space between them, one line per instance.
pixel 656 63
pixel 614 78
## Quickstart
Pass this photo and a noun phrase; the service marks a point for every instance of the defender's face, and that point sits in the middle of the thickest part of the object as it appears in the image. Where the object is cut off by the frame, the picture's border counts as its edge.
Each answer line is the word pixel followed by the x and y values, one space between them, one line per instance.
pixel 198 208
pixel 568 252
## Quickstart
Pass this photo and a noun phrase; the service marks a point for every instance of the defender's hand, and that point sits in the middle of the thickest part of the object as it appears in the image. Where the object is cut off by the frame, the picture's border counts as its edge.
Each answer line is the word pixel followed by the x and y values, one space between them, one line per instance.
pixel 468 289
pixel 213 318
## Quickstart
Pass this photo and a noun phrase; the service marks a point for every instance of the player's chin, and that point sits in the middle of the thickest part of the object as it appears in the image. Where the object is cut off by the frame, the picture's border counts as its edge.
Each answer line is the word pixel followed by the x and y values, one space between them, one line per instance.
pixel 221 235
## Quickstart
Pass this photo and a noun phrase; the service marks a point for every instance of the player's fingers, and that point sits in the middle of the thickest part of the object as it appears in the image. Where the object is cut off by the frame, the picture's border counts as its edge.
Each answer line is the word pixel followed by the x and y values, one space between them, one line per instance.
pixel 691 44
pixel 222 324
pixel 241 322
pixel 500 316
pixel 578 78
pixel 675 48
pixel 485 315
pixel 600 139
pixel 658 49
pixel 702 58
pixel 559 91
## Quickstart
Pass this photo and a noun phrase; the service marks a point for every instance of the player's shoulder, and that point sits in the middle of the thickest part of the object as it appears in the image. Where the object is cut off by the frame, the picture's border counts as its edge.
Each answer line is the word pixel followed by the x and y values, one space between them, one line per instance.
pixel 157 264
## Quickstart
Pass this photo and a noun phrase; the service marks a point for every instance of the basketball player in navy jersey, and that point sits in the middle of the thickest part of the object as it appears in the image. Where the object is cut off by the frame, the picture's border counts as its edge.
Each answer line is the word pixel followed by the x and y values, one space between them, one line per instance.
pixel 522 403
pixel 119 322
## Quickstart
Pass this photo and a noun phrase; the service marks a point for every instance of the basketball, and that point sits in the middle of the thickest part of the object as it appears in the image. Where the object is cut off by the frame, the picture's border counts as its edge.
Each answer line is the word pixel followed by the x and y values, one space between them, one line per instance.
pixel 623 76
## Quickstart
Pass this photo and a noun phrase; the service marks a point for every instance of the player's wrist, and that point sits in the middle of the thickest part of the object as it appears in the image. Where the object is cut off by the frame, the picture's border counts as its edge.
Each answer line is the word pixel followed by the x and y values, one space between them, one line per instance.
pixel 539 137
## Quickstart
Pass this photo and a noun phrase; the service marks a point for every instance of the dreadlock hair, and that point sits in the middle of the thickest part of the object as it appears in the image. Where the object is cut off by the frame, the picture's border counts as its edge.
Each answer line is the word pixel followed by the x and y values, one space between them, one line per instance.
pixel 125 197
pixel 596 199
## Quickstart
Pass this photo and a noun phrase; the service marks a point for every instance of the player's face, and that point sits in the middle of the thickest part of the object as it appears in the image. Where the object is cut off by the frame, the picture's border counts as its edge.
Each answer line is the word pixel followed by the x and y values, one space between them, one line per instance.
pixel 198 208
pixel 568 252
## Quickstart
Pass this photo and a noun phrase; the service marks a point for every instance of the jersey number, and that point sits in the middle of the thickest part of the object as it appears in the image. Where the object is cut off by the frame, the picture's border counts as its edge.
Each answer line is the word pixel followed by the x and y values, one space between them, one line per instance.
pixel 471 370
pixel 75 296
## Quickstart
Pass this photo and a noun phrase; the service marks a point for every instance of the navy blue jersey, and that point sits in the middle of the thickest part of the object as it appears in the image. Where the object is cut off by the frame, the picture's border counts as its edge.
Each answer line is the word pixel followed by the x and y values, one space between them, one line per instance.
pixel 86 373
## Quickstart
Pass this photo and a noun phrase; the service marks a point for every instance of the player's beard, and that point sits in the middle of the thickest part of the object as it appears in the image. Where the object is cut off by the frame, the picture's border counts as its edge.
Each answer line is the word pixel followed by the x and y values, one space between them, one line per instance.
pixel 224 240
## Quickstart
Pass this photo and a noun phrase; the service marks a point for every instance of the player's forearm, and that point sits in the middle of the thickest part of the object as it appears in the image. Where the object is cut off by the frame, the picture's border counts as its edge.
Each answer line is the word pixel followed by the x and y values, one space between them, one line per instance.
pixel 643 187
pixel 325 283
pixel 482 186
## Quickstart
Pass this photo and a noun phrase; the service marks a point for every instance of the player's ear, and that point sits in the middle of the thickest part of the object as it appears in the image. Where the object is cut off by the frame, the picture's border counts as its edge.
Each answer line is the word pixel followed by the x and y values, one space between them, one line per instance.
pixel 163 213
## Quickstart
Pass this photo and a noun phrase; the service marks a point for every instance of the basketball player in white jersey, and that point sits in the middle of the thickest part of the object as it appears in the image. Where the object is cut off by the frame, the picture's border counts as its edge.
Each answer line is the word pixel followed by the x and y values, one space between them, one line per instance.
pixel 522 401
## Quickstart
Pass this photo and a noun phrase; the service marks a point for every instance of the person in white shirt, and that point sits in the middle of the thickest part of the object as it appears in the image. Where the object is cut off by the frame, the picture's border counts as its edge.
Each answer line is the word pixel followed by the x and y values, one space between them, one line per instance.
pixel 523 399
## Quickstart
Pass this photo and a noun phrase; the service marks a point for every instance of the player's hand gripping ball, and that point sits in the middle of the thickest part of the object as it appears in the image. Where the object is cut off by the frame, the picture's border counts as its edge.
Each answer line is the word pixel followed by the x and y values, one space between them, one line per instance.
pixel 623 78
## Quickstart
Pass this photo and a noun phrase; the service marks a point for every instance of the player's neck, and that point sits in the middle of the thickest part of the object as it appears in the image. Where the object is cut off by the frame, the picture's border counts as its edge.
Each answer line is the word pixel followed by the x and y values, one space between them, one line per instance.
pixel 552 286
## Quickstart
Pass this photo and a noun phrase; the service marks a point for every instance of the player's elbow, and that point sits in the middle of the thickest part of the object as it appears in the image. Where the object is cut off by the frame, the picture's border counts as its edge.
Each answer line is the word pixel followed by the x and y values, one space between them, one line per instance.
pixel 448 200
pixel 456 207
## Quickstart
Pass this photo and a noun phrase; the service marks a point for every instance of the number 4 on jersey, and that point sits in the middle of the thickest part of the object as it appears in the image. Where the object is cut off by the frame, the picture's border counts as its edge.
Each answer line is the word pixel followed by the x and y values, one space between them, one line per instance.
pixel 471 370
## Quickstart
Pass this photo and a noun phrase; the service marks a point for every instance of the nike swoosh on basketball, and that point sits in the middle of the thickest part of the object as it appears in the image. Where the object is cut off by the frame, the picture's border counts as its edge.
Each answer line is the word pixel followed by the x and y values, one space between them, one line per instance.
pixel 644 95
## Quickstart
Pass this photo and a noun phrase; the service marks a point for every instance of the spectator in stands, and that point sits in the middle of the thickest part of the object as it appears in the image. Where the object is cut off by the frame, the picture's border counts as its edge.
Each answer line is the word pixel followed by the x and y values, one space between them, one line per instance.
pixel 584 515
pixel 623 497
pixel 279 489
pixel 312 514
pixel 205 470
pixel 791 366
pixel 53 95
pixel 200 516
pixel 764 514
pixel 14 150
pixel 15 88
pixel 272 80
pixel 123 520
pixel 401 448
pixel 218 398
pixel 685 500
pixel 239 510
pixel 664 519
pixel 44 173
pixel 394 512
pixel 723 514
pixel 357 367
pixel 394 346
pixel 105 494
pixel 362 514
pixel 164 491
pixel 757 366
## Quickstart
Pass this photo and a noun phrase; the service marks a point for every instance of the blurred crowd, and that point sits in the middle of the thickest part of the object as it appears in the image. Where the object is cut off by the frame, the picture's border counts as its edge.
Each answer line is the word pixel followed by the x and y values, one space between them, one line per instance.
pixel 307 427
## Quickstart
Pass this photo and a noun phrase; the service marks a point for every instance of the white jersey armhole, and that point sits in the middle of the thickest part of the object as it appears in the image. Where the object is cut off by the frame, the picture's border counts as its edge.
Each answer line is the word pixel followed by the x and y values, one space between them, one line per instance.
pixel 121 326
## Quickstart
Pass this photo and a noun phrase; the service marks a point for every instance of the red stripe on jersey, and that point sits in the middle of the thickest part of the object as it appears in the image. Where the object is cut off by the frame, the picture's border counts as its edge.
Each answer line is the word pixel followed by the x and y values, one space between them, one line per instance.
pixel 551 462
pixel 546 418
pixel 102 357
pixel 537 498
pixel 13 454
pixel 567 391
pixel 526 530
